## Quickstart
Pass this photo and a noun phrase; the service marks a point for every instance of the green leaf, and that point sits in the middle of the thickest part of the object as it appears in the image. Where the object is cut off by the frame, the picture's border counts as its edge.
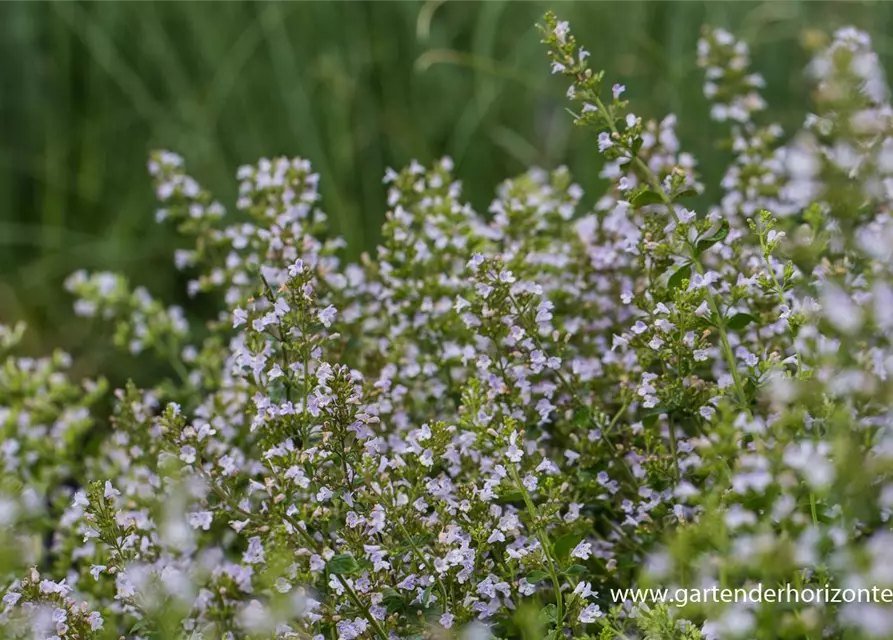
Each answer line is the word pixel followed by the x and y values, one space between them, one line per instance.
pixel 549 614
pixel 650 416
pixel 580 417
pixel 141 626
pixel 392 600
pixel 511 497
pixel 536 576
pixel 565 543
pixel 739 321
pixel 685 193
pixel 709 241
pixel 575 570
pixel 419 541
pixel 342 565
pixel 645 198
pixel 656 411
pixel 675 280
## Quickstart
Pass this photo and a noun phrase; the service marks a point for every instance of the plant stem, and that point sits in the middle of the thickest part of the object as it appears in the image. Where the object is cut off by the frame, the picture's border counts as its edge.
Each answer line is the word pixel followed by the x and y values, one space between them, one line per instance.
pixel 673 449
pixel 544 542
pixel 358 604
pixel 654 183
pixel 425 562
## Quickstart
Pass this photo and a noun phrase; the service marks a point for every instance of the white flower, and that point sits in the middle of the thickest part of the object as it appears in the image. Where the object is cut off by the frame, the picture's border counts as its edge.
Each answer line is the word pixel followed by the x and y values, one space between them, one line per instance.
pixel 94 620
pixel 187 454
pixel 110 491
pixel 584 590
pixel 582 551
pixel 590 614
pixel 200 520
pixel 327 315
pixel 296 268
pixel 255 552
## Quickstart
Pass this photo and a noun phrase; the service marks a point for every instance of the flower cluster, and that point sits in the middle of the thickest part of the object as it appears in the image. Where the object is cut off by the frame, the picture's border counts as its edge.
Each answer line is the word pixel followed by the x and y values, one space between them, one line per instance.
pixel 498 418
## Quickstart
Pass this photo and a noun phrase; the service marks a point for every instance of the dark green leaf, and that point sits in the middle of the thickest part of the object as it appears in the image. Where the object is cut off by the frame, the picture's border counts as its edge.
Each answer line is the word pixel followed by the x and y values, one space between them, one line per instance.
pixel 140 626
pixel 536 576
pixel 709 241
pixel 511 496
pixel 342 565
pixel 580 417
pixel 685 193
pixel 565 543
pixel 645 197
pixel 656 411
pixel 675 280
pixel 419 541
pixel 575 570
pixel 739 321
pixel 650 416
pixel 392 600
pixel 549 614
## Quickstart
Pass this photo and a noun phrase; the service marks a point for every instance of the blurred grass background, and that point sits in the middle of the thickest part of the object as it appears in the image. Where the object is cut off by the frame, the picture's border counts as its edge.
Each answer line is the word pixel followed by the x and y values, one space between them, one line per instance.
pixel 89 88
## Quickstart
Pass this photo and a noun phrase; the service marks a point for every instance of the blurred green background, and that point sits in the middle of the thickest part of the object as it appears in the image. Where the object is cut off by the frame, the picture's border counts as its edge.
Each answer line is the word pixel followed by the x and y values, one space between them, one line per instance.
pixel 89 88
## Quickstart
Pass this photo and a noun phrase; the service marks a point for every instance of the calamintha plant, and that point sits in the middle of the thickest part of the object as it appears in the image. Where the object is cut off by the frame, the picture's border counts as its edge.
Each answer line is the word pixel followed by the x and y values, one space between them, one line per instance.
pixel 495 421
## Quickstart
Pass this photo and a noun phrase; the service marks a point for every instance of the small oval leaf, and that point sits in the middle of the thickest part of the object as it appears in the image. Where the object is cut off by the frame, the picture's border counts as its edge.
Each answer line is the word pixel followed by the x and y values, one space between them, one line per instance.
pixel 536 576
pixel 685 193
pixel 675 280
pixel 342 565
pixel 565 544
pixel 709 241
pixel 739 321
pixel 645 198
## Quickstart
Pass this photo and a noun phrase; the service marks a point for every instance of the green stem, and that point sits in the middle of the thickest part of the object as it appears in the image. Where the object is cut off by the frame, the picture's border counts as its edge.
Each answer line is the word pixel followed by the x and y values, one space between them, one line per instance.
pixel 617 416
pixel 425 562
pixel 778 289
pixel 359 605
pixel 654 183
pixel 175 362
pixel 776 286
pixel 544 542
pixel 673 449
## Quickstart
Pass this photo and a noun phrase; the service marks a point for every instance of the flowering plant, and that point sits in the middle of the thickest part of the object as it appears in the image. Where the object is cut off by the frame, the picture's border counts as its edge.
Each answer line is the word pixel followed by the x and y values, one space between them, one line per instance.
pixel 487 426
